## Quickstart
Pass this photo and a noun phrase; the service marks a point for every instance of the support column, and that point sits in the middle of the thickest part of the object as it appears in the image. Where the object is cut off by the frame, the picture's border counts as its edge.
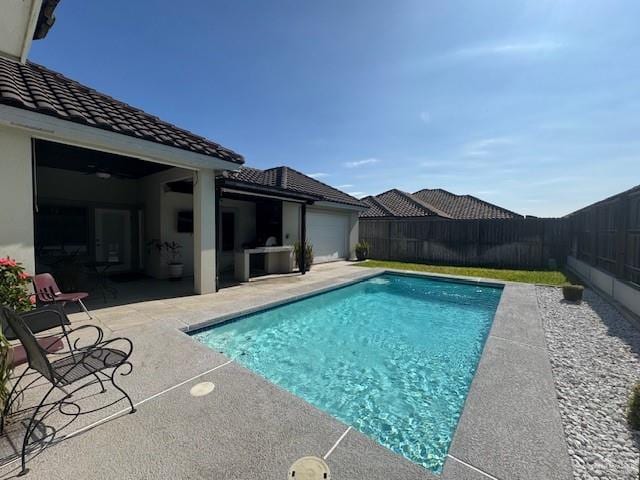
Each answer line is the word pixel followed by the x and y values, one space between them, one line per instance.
pixel 303 239
pixel 16 198
pixel 204 231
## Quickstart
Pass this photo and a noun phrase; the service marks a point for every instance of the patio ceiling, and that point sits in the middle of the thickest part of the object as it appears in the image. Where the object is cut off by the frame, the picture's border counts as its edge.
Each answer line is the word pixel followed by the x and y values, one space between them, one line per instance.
pixel 69 157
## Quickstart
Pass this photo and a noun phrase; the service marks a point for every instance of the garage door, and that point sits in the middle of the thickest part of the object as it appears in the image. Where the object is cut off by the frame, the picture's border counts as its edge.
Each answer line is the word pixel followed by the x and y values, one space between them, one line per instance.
pixel 327 232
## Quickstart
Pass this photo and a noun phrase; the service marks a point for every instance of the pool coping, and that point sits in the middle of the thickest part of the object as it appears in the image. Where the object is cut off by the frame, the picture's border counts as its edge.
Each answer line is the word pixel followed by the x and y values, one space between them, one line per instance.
pixel 519 416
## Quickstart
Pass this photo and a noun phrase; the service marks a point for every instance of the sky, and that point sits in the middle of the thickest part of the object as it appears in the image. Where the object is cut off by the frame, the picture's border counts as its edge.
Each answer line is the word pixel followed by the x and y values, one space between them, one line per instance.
pixel 530 104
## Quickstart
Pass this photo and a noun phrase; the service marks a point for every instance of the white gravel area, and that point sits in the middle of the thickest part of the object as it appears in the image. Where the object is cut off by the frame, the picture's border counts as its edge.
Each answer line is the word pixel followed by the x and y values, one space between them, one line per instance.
pixel 595 357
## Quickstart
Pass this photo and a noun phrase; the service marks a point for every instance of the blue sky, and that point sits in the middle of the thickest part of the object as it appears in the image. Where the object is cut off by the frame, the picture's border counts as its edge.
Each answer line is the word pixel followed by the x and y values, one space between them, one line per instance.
pixel 534 105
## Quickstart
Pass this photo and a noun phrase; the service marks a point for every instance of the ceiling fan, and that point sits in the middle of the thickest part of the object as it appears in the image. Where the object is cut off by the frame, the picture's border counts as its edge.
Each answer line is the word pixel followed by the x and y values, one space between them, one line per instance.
pixel 106 174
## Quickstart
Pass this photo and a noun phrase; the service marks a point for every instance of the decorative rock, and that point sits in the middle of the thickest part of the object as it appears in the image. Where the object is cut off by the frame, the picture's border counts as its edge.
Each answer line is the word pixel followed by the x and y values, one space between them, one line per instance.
pixel 594 354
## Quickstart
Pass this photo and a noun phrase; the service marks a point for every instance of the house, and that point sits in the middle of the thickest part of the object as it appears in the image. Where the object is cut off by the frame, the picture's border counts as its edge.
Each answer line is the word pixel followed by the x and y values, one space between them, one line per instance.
pixel 87 179
pixel 435 203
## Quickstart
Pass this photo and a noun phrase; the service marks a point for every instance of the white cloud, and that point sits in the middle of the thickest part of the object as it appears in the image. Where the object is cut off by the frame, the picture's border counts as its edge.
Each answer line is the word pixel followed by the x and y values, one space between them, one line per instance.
pixel 520 48
pixel 346 185
pixel 358 163
pixel 486 146
pixel 425 117
pixel 357 194
pixel 317 175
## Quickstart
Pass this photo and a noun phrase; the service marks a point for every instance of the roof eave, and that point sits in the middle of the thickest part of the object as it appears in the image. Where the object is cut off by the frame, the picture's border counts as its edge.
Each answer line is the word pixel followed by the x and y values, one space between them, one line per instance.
pixel 52 128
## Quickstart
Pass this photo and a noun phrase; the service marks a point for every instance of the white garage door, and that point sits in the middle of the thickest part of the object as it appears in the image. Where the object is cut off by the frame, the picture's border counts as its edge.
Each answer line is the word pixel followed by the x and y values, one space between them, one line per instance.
pixel 327 232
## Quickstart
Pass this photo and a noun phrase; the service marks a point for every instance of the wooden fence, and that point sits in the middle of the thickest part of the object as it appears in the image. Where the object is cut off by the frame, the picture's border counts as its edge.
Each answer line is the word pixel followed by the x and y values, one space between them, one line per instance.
pixel 513 243
pixel 606 235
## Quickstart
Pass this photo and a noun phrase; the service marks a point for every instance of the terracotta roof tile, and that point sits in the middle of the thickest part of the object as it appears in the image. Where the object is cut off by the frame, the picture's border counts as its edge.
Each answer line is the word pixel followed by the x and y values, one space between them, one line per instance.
pixel 36 88
pixel 286 179
pixel 434 202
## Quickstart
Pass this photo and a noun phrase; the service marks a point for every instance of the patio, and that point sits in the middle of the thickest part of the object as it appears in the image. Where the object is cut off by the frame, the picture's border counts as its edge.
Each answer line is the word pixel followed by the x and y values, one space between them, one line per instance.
pixel 249 428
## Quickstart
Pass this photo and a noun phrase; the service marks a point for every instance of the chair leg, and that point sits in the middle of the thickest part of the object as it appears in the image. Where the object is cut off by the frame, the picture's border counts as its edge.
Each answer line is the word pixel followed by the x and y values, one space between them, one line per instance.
pixel 25 442
pixel 85 309
pixel 113 382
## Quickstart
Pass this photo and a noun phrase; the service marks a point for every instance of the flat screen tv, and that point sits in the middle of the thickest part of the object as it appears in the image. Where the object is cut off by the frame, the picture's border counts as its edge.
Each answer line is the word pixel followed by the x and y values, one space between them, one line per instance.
pixel 185 221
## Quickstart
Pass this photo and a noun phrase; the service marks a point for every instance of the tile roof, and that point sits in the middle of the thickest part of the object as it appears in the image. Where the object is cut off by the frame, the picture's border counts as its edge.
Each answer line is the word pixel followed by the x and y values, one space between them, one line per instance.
pixel 463 206
pixel 38 89
pixel 432 202
pixel 286 179
pixel 396 203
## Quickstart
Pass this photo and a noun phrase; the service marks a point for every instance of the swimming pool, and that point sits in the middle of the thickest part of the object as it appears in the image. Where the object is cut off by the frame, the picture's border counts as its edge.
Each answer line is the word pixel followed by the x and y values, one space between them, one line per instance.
pixel 392 356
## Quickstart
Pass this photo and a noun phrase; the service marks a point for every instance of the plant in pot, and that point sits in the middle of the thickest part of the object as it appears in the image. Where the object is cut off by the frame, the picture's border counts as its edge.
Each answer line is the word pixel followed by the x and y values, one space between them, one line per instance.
pixel 171 251
pixel 572 293
pixel 362 250
pixel 298 251
pixel 14 293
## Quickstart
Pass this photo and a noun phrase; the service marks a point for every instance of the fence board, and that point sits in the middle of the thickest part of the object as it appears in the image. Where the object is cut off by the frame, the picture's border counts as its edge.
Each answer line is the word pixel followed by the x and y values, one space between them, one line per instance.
pixel 510 243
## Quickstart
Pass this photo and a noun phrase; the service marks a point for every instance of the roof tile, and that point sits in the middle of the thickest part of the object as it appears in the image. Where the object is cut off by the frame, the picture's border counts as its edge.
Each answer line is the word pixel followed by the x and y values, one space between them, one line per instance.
pixel 34 87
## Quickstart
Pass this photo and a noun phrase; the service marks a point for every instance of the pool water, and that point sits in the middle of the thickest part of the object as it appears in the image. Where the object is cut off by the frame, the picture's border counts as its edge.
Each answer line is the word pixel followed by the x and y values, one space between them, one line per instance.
pixel 392 356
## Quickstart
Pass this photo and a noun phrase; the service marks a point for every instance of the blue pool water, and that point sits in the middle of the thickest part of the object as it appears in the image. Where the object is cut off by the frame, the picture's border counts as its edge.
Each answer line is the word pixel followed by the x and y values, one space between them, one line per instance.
pixel 392 356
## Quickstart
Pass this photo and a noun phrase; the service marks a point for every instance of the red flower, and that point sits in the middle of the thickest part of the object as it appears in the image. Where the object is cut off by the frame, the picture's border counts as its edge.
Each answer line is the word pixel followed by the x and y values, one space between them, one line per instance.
pixel 7 262
pixel 24 276
pixel 32 299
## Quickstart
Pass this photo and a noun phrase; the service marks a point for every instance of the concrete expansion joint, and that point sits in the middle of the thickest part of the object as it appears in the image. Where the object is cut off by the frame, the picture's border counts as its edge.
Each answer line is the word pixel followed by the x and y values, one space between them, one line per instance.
pixel 476 469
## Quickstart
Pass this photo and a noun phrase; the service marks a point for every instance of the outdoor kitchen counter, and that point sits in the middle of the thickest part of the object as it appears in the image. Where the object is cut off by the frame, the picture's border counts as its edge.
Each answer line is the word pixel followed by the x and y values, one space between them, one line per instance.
pixel 276 260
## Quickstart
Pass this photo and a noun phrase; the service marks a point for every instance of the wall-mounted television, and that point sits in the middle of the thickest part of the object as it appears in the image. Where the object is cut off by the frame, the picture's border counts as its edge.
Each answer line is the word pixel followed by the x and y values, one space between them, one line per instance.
pixel 185 221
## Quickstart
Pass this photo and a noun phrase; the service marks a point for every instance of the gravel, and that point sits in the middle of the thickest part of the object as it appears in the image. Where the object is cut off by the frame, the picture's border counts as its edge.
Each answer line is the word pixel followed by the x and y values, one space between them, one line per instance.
pixel 595 358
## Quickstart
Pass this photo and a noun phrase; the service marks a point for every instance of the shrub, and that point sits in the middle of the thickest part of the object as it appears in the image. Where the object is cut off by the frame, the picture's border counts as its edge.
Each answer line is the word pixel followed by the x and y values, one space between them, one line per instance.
pixel 633 408
pixel 14 286
pixel 362 250
pixel 572 293
pixel 14 293
pixel 308 254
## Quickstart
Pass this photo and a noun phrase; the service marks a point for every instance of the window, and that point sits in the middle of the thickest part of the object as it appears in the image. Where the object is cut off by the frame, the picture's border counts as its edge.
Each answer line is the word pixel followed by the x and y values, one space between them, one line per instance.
pixel 228 231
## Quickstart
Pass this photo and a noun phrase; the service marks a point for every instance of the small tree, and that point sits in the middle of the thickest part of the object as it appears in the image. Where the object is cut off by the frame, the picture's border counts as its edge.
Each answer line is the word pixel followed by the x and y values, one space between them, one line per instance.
pixel 362 250
pixel 308 255
pixel 14 293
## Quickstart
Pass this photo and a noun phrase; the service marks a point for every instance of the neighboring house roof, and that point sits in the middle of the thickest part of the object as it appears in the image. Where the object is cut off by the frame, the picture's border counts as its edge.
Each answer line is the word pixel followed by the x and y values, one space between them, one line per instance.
pixel 463 206
pixel 38 89
pixel 396 203
pixel 432 203
pixel 286 180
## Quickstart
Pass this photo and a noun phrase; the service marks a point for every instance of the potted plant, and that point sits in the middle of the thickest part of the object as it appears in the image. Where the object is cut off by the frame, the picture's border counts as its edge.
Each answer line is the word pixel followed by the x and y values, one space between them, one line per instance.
pixel 171 250
pixel 572 293
pixel 362 250
pixel 14 293
pixel 298 250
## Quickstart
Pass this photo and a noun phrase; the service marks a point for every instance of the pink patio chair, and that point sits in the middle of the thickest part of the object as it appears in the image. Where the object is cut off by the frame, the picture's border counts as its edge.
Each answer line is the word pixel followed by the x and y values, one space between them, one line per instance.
pixel 47 291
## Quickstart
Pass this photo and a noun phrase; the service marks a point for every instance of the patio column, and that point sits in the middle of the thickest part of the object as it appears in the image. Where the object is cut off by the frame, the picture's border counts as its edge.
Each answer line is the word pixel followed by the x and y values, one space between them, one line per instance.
pixel 16 197
pixel 204 231
pixel 303 238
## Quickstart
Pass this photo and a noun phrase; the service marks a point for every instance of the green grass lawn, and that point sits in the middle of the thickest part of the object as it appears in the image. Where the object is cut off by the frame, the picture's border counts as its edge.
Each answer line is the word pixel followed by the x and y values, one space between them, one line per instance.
pixel 545 277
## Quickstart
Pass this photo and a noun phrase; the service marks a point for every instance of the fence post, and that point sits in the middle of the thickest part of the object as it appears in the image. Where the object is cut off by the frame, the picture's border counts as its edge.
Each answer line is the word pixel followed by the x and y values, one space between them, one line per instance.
pixel 621 219
pixel 388 239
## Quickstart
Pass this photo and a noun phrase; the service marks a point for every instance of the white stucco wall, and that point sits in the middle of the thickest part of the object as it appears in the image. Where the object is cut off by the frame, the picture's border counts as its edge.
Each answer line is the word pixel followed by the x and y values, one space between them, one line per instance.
pixel 160 209
pixel 16 197
pixel 290 223
pixel 625 294
pixel 245 227
pixel 172 203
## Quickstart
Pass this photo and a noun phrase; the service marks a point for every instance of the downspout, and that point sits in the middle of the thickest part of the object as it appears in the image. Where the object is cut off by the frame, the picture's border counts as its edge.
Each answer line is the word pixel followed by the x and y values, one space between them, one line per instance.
pixel 218 234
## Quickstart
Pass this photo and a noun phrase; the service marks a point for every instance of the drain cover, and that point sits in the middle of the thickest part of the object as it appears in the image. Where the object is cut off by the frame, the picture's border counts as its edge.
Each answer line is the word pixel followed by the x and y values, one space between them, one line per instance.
pixel 309 468
pixel 202 389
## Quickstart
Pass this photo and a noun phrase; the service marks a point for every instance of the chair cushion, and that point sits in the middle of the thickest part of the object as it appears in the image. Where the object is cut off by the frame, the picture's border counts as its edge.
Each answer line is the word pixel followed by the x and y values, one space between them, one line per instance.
pixel 50 344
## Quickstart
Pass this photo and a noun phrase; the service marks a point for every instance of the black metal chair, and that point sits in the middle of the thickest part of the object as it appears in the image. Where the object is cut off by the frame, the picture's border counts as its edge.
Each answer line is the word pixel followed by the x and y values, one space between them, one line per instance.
pixel 79 363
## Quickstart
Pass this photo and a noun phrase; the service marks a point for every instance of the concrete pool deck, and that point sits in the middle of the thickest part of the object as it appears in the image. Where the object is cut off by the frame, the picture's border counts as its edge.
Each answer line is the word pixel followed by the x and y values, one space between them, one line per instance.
pixel 249 428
